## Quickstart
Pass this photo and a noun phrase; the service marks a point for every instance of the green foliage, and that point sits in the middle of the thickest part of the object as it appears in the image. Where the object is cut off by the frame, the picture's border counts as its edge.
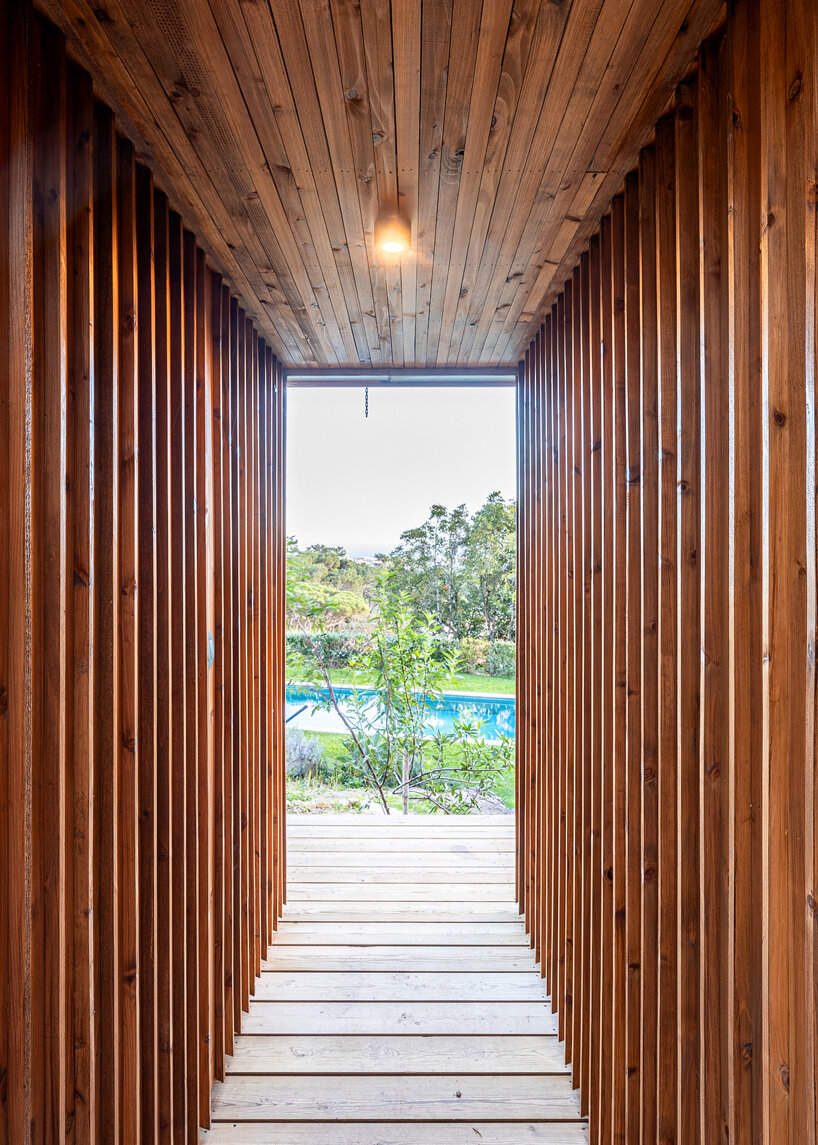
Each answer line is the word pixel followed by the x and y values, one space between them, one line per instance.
pixel 462 570
pixel 405 662
pixel 490 658
pixel 336 649
pixel 305 756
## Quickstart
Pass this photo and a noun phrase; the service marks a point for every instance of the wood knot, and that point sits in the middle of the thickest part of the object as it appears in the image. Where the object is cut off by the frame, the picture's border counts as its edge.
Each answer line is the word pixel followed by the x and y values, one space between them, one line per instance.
pixel 779 418
pixel 812 905
pixel 4 701
pixel 784 1075
pixel 794 90
pixel 352 94
pixel 650 874
pixel 129 743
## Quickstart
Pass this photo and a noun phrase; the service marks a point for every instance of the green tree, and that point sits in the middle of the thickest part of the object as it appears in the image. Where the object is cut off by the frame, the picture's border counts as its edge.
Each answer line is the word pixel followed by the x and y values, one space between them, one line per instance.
pixel 491 567
pixel 429 566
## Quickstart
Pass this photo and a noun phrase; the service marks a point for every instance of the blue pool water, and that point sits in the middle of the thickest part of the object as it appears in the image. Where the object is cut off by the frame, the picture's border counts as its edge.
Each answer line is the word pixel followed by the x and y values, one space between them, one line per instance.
pixel 497 713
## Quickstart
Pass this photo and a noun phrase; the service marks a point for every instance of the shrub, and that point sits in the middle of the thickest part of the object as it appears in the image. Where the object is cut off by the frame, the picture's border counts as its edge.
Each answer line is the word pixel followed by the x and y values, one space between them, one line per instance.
pixel 305 756
pixel 484 658
pixel 336 649
pixel 502 658
pixel 474 654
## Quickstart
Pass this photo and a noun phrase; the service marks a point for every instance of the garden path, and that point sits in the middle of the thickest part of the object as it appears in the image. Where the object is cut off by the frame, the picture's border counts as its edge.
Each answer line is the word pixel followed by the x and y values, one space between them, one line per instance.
pixel 400 1003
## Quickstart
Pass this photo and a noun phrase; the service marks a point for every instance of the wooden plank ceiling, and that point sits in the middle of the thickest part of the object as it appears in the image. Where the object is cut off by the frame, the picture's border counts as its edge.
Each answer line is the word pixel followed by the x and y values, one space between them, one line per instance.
pixel 281 128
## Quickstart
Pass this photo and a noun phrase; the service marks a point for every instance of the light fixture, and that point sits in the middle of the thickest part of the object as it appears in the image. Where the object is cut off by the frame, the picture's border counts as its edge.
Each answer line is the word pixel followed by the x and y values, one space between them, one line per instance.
pixel 393 235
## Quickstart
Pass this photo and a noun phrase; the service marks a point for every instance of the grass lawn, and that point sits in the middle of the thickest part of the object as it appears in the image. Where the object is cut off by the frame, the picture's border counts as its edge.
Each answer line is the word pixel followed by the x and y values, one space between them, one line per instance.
pixel 462 682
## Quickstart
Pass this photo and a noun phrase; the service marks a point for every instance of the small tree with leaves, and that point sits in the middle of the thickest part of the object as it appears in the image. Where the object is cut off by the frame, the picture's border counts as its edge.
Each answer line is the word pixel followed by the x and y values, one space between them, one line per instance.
pixel 399 676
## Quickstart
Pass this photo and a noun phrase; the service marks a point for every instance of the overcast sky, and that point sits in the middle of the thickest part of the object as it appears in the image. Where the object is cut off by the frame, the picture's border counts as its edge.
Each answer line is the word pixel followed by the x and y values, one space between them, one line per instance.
pixel 361 482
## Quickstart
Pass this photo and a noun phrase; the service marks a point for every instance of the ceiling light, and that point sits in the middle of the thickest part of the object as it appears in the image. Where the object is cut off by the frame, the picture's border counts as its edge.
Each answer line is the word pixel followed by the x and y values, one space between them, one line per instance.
pixel 393 235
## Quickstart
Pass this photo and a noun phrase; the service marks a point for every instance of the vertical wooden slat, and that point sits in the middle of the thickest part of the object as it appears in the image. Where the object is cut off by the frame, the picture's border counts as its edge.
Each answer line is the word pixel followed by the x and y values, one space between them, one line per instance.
pixel 193 752
pixel 204 775
pixel 165 885
pixel 221 724
pixel 667 716
pixel 608 691
pixel 620 681
pixel 585 957
pixel 632 811
pixel 688 563
pixel 178 590
pixel 80 1076
pixel 16 335
pixel 128 659
pixel 48 589
pixel 148 662
pixel 106 613
pixel 714 495
pixel 649 425
pixel 597 564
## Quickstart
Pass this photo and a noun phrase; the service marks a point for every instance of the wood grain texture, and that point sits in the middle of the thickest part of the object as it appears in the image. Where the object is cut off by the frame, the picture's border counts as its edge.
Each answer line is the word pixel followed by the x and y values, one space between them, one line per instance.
pixel 286 129
pixel 349 1025
pixel 701 322
pixel 111 913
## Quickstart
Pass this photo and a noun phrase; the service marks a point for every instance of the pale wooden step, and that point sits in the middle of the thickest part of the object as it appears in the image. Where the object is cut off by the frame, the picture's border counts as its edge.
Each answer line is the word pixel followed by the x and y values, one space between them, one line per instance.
pixel 363 934
pixel 444 1097
pixel 409 890
pixel 302 844
pixel 397 1133
pixel 416 876
pixel 394 910
pixel 366 986
pixel 399 958
pixel 398 1055
pixel 409 1017
pixel 397 860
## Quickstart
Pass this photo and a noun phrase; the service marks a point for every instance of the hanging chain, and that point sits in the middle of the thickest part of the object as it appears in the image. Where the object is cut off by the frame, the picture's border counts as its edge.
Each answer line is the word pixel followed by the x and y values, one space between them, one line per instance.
pixel 366 401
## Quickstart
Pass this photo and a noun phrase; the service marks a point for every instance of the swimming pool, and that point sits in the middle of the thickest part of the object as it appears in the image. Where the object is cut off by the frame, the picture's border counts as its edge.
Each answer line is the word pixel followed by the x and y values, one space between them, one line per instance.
pixel 496 712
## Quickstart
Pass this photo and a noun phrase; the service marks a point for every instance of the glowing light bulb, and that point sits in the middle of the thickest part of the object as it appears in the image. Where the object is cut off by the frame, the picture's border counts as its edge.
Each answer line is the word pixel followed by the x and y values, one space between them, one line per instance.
pixel 393 235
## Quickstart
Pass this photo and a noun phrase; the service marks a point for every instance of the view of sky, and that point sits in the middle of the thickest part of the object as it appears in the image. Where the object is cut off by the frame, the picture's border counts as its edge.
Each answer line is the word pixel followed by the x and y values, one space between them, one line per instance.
pixel 360 482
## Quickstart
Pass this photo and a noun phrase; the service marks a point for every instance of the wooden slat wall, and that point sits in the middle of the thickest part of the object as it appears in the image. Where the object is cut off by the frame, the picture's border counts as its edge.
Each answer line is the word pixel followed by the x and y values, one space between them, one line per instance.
pixel 667 688
pixel 121 796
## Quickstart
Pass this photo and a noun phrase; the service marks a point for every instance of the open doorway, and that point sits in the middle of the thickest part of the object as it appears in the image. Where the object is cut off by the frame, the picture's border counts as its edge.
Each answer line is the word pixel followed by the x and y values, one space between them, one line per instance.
pixel 401 619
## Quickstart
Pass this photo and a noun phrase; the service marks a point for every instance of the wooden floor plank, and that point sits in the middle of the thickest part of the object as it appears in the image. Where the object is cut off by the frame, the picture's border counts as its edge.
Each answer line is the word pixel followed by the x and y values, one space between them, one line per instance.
pixel 361 934
pixel 300 845
pixel 359 1097
pixel 373 892
pixel 397 1055
pixel 397 1133
pixel 366 986
pixel 420 875
pixel 396 911
pixel 441 959
pixel 424 1018
pixel 389 1012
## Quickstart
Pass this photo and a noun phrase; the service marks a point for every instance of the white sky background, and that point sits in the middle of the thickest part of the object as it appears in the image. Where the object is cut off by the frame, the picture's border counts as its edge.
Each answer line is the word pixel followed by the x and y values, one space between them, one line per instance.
pixel 361 482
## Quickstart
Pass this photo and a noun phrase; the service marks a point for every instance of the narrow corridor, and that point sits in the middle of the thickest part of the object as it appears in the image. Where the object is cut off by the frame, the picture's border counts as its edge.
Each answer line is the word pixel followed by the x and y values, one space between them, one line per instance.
pixel 389 1013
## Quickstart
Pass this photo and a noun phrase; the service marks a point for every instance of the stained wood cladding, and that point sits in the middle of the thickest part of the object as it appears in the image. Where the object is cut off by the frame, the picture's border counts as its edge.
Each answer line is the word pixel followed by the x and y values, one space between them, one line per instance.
pixel 501 130
pixel 125 798
pixel 667 703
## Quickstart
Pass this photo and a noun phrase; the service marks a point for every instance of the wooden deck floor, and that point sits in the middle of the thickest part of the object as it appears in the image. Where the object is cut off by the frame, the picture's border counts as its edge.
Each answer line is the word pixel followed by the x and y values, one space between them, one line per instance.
pixel 400 1004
